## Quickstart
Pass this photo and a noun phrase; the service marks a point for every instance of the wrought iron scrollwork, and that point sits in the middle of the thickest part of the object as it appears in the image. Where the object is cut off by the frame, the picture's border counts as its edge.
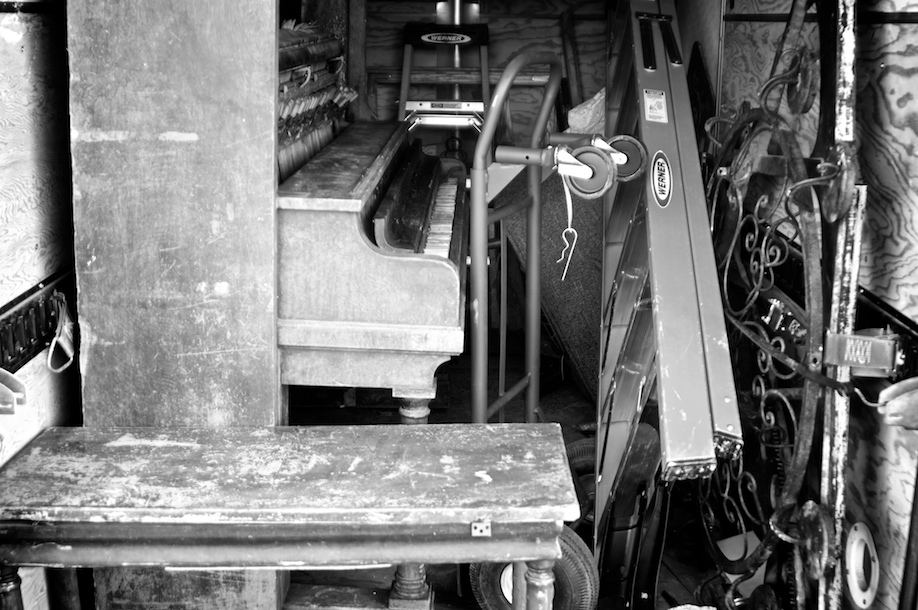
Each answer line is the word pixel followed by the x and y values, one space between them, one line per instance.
pixel 772 213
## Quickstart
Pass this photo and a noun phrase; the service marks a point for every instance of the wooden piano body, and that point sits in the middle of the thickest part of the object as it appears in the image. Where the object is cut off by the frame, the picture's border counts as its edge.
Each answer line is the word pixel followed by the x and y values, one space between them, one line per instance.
pixel 355 310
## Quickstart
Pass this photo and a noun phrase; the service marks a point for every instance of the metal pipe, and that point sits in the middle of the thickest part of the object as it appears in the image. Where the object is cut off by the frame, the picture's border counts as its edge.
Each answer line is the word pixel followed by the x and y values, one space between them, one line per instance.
pixel 502 365
pixel 478 225
pixel 524 156
pixel 534 261
pixel 478 289
pixel 509 210
pixel 512 393
pixel 533 347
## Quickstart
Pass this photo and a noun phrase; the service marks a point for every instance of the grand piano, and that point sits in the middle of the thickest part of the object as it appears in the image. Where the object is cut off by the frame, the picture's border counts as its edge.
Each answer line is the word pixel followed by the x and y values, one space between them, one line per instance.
pixel 372 246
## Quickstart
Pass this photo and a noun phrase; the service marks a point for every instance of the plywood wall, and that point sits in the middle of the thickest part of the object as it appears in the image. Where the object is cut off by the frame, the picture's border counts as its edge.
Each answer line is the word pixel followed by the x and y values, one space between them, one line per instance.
pixel 36 238
pixel 887 457
pixel 514 27
pixel 883 460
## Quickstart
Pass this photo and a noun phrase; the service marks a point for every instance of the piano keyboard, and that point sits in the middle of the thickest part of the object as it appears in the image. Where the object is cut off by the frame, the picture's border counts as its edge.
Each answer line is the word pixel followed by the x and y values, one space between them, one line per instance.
pixel 440 231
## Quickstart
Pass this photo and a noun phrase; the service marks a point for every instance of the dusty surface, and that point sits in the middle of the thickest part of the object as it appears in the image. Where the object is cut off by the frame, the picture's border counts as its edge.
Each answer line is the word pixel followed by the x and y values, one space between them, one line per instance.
pixel 351 474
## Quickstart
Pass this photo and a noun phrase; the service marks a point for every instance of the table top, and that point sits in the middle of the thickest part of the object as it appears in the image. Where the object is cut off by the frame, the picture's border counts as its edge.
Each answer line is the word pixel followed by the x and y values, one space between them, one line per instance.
pixel 355 475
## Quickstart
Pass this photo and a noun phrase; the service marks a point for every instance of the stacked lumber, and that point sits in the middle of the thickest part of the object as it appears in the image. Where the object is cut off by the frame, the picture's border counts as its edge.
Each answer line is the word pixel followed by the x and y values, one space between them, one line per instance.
pixel 312 100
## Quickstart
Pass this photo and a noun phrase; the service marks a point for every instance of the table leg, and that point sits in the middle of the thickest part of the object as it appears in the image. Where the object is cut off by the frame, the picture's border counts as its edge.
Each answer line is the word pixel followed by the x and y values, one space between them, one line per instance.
pixel 410 590
pixel 519 585
pixel 10 593
pixel 540 584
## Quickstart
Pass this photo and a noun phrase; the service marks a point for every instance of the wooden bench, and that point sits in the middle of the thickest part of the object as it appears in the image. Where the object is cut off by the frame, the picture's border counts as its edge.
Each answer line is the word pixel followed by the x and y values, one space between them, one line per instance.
pixel 289 497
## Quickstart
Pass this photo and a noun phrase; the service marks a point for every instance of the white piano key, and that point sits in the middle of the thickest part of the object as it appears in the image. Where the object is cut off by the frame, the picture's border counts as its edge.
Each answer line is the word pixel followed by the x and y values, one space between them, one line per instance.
pixel 440 225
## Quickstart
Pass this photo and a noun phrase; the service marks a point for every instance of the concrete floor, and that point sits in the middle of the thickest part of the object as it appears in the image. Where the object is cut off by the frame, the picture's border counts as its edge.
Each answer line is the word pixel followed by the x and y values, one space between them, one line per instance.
pixel 682 570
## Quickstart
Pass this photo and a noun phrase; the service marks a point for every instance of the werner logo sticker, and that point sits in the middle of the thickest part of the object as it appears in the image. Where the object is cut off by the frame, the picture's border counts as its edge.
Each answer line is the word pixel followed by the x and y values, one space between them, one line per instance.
pixel 661 176
pixel 446 38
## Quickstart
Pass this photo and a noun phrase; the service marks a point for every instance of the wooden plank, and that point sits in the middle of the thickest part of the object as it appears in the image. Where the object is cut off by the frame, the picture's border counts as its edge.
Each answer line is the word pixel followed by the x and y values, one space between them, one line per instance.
pixel 360 475
pixel 173 154
pixel 173 187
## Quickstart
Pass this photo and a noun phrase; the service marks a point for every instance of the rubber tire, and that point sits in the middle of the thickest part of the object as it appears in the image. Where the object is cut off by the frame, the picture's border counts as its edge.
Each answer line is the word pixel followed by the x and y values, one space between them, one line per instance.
pixel 576 578
pixel 581 455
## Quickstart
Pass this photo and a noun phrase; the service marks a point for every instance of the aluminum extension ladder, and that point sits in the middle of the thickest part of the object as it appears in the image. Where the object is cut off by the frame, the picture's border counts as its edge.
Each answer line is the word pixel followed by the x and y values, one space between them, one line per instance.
pixel 664 341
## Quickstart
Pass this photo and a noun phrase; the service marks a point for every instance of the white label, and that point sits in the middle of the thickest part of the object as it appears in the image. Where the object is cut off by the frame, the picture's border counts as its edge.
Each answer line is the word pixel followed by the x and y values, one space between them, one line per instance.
pixel 661 177
pixel 655 106
pixel 446 38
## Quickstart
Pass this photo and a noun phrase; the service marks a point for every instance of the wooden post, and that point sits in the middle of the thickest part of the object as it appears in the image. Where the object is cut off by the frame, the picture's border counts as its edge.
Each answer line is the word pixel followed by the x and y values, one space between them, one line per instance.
pixel 173 144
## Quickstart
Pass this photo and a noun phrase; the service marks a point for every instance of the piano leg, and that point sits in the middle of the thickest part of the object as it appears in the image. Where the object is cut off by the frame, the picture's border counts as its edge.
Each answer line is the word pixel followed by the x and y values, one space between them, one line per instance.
pixel 414 410
pixel 410 590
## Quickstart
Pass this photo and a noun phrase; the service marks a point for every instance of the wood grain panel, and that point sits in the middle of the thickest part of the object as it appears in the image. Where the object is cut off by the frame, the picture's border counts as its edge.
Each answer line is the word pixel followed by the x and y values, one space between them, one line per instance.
pixel 881 472
pixel 417 9
pixel 542 7
pixel 749 49
pixel 35 228
pixel 759 6
pixel 884 458
pixel 591 46
pixel 888 122
pixel 888 6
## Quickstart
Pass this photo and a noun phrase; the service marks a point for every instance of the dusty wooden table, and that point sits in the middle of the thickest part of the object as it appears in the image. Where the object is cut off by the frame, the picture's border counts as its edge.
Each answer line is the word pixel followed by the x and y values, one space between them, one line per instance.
pixel 287 497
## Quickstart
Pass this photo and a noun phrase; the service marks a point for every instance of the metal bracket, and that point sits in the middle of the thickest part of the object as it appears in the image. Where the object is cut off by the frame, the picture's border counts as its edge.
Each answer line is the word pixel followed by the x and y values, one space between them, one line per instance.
pixel 869 354
pixel 28 323
pixel 481 529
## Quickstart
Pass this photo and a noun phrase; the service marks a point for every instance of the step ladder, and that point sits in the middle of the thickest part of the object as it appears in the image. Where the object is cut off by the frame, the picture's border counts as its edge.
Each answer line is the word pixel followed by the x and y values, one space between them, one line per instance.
pixel 443 113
